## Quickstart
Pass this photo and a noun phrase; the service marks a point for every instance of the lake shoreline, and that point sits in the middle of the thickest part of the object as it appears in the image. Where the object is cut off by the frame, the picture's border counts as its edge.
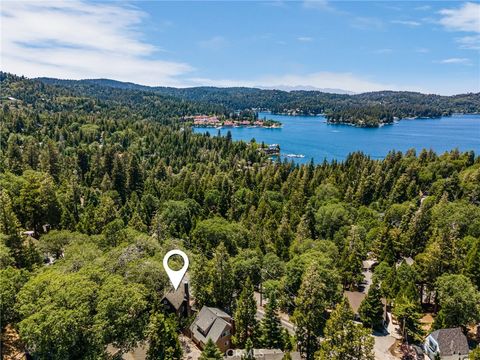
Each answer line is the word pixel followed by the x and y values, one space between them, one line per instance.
pixel 313 137
pixel 360 125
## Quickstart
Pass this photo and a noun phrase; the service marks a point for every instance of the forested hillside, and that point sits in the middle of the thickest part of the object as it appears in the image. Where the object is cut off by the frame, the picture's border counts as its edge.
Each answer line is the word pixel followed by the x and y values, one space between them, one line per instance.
pixel 120 182
pixel 367 109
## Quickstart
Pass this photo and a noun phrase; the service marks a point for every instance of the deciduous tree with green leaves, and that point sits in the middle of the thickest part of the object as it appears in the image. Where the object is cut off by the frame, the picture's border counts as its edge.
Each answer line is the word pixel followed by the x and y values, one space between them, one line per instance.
pixel 163 339
pixel 459 302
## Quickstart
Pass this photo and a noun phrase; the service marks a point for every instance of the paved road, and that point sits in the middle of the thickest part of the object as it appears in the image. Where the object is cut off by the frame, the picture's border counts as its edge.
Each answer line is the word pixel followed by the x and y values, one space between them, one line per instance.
pixel 190 350
pixel 382 347
pixel 286 324
pixel 383 342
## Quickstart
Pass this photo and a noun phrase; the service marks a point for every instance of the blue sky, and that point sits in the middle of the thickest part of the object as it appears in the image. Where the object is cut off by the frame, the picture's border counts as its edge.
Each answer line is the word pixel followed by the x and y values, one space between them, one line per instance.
pixel 352 45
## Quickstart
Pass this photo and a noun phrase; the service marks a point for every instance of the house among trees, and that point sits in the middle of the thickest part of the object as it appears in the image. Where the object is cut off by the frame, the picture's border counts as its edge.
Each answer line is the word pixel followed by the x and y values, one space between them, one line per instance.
pixel 446 344
pixel 178 301
pixel 355 299
pixel 212 323
pixel 272 149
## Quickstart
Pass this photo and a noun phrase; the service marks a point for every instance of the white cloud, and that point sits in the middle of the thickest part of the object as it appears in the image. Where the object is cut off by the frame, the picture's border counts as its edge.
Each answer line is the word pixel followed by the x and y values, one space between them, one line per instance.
pixel 465 18
pixel 305 39
pixel 214 43
pixel 410 23
pixel 469 42
pixel 75 39
pixel 464 61
pixel 319 80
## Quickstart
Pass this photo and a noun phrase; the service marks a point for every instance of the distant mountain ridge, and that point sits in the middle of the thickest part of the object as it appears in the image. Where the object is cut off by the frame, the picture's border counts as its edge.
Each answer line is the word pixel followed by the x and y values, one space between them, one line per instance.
pixel 365 109
pixel 134 86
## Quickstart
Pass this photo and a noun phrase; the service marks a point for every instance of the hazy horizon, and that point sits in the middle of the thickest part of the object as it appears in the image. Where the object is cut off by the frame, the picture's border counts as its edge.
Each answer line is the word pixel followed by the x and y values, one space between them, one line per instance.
pixel 428 47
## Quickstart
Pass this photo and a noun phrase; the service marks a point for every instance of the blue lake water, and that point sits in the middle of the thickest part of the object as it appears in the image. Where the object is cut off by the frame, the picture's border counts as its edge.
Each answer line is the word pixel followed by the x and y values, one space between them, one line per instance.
pixel 317 140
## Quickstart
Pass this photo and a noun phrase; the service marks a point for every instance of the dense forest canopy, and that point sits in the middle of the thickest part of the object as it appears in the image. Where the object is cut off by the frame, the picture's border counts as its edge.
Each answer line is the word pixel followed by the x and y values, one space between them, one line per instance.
pixel 367 109
pixel 108 180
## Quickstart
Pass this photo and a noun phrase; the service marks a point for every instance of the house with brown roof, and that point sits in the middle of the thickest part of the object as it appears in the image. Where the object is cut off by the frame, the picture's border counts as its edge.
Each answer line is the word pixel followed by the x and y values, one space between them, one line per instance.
pixel 178 301
pixel 447 344
pixel 215 324
pixel 355 299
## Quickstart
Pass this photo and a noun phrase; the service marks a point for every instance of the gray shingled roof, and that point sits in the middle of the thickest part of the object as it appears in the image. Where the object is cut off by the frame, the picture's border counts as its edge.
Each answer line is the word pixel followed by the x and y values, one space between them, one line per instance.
pixel 451 341
pixel 212 322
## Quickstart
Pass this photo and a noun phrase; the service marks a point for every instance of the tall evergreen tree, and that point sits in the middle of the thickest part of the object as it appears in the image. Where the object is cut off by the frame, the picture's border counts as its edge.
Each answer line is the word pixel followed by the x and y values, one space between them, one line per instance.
pixel 407 312
pixel 472 266
pixel 270 326
pixel 317 292
pixel 245 320
pixel 249 350
pixel 371 308
pixel 134 175
pixel 118 176
pixel 10 226
pixel 343 338
pixel 211 352
pixel 222 278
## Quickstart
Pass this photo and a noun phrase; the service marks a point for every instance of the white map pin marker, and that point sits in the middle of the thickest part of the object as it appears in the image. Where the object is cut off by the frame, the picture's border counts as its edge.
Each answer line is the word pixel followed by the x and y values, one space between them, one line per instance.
pixel 175 276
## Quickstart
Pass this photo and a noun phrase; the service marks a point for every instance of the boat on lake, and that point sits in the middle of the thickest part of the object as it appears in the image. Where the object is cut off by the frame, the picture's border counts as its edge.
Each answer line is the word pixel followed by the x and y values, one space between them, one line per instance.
pixel 295 155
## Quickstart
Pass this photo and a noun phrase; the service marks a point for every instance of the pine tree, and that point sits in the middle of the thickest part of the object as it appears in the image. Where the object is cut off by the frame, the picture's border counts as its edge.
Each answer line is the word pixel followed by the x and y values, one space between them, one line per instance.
pixel 343 338
pixel 211 352
pixel 201 279
pixel 407 312
pixel 270 326
pixel 351 257
pixel 287 340
pixel 14 154
pixel 10 227
pixel 118 177
pixel 249 350
pixel 49 159
pixel 318 290
pixel 472 266
pixel 163 339
pixel 222 278
pixel 245 321
pixel 9 224
pixel 137 223
pixel 134 175
pixel 371 308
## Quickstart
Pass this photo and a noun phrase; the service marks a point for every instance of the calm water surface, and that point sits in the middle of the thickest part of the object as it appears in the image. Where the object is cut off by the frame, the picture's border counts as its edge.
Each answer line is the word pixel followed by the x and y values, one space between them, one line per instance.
pixel 317 140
